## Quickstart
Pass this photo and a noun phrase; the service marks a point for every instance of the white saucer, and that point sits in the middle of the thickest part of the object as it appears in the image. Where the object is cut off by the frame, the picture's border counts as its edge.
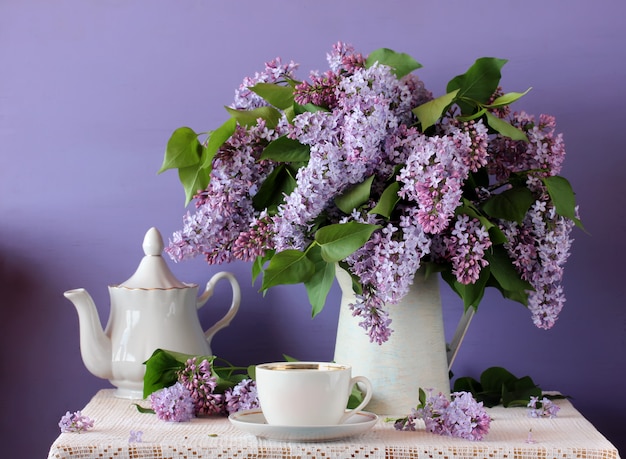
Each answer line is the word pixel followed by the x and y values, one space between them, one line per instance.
pixel 253 421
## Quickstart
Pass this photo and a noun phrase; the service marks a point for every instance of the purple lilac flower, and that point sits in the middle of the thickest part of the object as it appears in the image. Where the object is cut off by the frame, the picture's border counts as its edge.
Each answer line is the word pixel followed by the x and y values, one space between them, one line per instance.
pixel 344 58
pixel 243 396
pixel 386 266
pixel 543 151
pixel 173 403
pixel 465 247
pixel 433 177
pixel 200 382
pixel 474 145
pixel 225 209
pixel 75 422
pixel 135 436
pixel 543 408
pixel 275 71
pixel 539 248
pixel 461 417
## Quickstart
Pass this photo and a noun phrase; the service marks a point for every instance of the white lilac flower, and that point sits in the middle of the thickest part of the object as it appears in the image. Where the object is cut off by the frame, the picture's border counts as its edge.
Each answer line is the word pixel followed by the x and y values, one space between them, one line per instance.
pixel 75 422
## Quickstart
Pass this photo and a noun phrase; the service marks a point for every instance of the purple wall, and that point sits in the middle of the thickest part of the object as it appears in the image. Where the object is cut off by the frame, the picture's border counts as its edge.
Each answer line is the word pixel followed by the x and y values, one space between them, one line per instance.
pixel 90 92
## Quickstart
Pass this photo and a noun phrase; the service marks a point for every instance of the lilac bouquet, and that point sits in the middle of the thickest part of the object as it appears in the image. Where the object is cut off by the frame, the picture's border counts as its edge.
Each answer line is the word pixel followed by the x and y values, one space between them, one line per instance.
pixel 461 417
pixel 361 167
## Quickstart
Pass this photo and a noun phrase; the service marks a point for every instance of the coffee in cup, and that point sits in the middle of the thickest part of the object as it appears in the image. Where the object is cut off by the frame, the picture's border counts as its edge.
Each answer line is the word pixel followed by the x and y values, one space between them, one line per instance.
pixel 307 393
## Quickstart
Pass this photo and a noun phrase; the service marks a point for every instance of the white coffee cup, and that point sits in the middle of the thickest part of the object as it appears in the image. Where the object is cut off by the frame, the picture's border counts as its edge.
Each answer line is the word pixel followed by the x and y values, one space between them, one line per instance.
pixel 308 393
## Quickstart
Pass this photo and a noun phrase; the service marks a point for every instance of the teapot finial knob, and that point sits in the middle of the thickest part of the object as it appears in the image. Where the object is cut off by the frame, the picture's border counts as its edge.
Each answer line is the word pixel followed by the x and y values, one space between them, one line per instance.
pixel 153 242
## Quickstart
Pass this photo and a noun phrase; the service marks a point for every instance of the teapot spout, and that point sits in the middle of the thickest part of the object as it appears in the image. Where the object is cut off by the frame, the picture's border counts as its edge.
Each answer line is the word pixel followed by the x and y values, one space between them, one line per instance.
pixel 95 345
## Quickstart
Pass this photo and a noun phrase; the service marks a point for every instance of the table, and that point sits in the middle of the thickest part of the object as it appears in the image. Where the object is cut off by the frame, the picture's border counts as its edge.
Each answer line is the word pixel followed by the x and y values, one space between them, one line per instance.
pixel 568 436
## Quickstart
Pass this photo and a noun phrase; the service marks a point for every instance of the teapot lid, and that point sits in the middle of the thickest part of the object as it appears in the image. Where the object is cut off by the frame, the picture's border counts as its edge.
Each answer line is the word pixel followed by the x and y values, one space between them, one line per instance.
pixel 152 271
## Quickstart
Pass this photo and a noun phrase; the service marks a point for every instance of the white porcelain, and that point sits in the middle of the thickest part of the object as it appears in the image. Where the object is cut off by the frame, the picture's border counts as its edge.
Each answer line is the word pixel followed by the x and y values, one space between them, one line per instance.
pixel 253 422
pixel 308 393
pixel 415 355
pixel 151 310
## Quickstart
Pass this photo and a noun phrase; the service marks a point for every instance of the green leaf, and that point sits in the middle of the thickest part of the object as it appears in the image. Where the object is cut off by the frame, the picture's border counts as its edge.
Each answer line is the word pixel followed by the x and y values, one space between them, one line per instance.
pixel 308 108
pixel 143 410
pixel 387 202
pixel 319 284
pixel 259 262
pixel 286 150
pixel 279 96
pixel 429 112
pixel 402 63
pixel 504 272
pixel 287 267
pixel 342 239
pixel 356 397
pixel 161 371
pixel 183 150
pixel 479 82
pixel 507 99
pixel 510 205
pixel 505 128
pixel 473 116
pixel 471 294
pixel 563 197
pixel 493 378
pixel 467 384
pixel 355 196
pixel 249 118
pixel 217 138
pixel 194 179
pixel 272 191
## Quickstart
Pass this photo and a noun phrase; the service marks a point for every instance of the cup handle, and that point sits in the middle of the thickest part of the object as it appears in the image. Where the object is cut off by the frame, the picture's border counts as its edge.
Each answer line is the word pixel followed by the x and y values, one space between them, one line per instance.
pixel 366 398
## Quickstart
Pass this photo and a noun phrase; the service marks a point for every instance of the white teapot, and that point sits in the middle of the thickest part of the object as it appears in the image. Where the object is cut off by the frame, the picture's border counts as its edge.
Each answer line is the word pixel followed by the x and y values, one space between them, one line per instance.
pixel 150 310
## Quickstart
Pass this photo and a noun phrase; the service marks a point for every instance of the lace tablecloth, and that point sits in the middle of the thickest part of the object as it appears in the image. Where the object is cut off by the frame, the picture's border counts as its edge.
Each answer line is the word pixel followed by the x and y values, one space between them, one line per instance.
pixel 567 436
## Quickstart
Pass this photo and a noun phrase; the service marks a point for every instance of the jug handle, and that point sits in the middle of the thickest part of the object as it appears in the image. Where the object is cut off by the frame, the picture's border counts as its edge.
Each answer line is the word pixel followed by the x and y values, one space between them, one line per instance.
pixel 459 334
pixel 234 305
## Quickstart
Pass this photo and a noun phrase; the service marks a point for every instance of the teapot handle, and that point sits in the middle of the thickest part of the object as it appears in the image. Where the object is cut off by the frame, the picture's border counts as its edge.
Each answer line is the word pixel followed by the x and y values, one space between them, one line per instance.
pixel 234 305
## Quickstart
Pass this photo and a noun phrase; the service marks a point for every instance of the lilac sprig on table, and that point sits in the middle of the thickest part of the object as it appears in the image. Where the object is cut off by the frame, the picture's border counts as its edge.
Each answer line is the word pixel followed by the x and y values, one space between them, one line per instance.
pixel 182 386
pixel 75 422
pixel 459 416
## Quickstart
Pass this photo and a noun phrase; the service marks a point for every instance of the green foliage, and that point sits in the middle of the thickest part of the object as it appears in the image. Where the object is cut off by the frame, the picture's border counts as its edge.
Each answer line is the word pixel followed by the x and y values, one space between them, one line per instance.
pixel 477 84
pixel 562 196
pixel 511 204
pixel 287 267
pixel 499 386
pixel 162 370
pixel 355 197
pixel 401 63
pixel 280 97
pixel 320 282
pixel 429 112
pixel 343 239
